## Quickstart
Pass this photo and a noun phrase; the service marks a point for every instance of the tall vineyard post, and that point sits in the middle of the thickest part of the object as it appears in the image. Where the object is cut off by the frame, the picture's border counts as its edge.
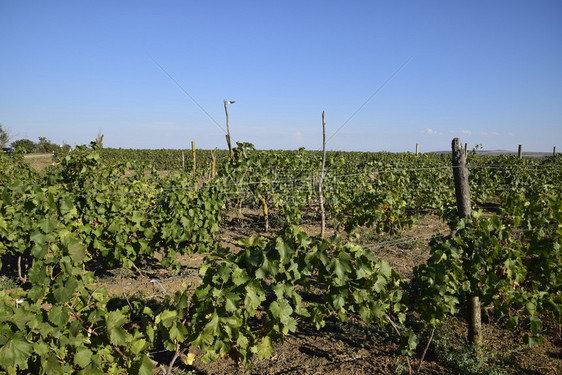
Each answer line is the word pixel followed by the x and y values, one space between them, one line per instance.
pixel 321 180
pixel 228 141
pixel 194 157
pixel 520 151
pixel 213 163
pixel 462 193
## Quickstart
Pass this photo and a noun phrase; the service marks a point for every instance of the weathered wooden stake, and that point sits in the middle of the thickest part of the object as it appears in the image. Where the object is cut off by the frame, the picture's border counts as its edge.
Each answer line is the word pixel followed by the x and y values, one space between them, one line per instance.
pixel 194 157
pixel 462 193
pixel 227 136
pixel 554 151
pixel 460 174
pixel 417 149
pixel 22 278
pixel 466 150
pixel 520 151
pixel 321 180
pixel 228 129
pixel 213 164
pixel 182 161
pixel 265 212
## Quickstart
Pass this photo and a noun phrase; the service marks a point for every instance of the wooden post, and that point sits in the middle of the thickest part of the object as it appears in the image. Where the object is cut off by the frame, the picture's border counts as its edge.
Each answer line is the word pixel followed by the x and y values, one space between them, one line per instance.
pixel 194 157
pixel 265 211
pixel 417 149
pixel 227 136
pixel 182 161
pixel 228 129
pixel 520 151
pixel 213 164
pixel 466 150
pixel 460 174
pixel 321 180
pixel 554 151
pixel 462 193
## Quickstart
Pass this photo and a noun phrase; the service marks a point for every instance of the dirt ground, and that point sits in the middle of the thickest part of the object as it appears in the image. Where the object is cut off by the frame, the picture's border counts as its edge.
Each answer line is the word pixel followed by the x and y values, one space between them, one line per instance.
pixel 353 347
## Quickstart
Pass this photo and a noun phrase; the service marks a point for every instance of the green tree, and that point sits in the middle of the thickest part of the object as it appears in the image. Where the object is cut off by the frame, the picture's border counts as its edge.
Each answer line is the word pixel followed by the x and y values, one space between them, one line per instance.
pixel 26 145
pixel 45 145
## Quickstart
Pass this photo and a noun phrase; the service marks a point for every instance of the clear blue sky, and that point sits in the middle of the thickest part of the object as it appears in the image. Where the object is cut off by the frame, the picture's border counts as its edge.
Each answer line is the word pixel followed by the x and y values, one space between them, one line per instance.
pixel 489 72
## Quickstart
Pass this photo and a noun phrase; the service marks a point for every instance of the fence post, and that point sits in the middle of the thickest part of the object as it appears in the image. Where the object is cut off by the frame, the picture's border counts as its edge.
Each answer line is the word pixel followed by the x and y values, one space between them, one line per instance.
pixel 228 129
pixel 321 180
pixel 194 159
pixel 462 193
pixel 554 151
pixel 213 163
pixel 417 149
pixel 520 151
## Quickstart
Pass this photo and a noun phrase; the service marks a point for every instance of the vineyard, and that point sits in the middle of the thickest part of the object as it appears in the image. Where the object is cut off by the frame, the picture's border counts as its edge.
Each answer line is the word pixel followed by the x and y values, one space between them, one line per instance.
pixel 189 262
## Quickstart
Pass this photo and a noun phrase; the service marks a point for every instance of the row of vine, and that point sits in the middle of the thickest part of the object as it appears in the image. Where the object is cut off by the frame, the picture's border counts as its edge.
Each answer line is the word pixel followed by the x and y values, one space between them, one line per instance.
pixel 61 321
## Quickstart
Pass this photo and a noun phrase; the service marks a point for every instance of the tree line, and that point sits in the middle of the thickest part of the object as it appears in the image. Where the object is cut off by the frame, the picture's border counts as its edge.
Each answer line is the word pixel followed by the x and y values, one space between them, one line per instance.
pixel 43 145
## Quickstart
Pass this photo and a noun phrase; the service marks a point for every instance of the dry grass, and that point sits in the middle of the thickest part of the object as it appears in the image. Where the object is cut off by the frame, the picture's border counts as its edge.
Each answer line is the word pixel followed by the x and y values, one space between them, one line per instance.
pixel 39 161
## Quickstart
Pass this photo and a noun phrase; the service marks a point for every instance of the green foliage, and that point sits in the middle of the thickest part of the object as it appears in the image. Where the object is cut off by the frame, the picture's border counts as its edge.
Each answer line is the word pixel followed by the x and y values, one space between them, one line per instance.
pixel 45 145
pixel 56 323
pixel 261 288
pixel 25 145
pixel 129 211
pixel 86 207
pixel 513 268
pixel 387 196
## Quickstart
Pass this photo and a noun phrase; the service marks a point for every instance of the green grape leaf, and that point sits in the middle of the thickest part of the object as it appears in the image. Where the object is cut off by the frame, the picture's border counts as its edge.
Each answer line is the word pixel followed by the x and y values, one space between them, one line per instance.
pixel 341 267
pixel 283 248
pixel 239 276
pixel 76 250
pixel 146 366
pixel 47 224
pixel 254 296
pixel 52 367
pixel 282 310
pixel 265 348
pixel 114 321
pixel 232 300
pixel 64 289
pixel 167 317
pixel 533 340
pixel 83 357
pixel 536 324
pixel 138 346
pixel 15 352
pixel 385 268
pixel 37 237
pixel 58 315
pixel 41 348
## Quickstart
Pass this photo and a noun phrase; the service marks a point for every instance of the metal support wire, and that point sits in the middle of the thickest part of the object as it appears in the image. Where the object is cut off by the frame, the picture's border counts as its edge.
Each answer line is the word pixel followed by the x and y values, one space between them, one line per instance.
pixel 371 97
pixel 159 285
pixel 186 93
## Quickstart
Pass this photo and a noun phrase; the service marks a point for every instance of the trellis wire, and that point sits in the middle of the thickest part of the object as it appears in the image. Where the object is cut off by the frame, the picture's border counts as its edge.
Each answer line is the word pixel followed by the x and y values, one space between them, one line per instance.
pixel 314 179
